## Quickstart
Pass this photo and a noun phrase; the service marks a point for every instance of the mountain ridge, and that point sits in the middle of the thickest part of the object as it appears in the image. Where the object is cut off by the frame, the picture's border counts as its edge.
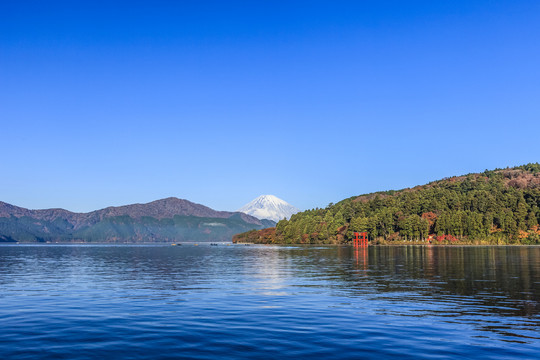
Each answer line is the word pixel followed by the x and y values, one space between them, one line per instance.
pixel 123 223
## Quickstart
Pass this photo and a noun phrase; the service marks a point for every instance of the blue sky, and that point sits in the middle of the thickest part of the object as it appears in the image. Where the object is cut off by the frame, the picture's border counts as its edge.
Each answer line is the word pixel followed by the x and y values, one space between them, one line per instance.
pixel 110 103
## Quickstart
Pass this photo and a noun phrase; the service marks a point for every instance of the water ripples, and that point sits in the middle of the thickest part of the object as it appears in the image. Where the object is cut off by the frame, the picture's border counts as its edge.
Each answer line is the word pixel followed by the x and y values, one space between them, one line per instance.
pixel 147 302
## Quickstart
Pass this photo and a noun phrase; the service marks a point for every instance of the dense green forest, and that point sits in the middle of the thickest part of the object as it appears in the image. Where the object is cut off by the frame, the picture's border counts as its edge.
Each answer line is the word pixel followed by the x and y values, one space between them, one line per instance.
pixel 500 206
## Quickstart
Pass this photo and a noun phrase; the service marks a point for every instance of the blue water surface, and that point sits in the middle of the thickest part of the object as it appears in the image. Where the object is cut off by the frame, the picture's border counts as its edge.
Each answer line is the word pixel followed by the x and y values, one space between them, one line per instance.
pixel 234 302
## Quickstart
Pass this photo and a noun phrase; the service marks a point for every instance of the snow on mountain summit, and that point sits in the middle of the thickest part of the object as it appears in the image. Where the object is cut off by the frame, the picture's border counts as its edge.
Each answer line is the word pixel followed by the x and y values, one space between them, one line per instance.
pixel 269 207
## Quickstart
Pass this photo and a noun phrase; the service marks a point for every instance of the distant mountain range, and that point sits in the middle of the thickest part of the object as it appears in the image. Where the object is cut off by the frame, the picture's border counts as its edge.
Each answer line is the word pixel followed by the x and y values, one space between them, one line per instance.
pixel 166 220
pixel 269 207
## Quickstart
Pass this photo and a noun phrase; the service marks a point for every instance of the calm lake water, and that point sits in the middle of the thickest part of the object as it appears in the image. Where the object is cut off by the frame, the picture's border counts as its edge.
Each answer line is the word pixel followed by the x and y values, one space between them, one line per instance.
pixel 153 302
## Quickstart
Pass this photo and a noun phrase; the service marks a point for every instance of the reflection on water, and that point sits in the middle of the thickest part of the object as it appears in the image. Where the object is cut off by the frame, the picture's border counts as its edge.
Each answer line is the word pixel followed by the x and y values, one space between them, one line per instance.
pixel 249 301
pixel 361 254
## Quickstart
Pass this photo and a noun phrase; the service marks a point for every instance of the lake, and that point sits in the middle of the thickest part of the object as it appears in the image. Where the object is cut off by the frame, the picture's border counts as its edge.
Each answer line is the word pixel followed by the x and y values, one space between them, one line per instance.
pixel 206 302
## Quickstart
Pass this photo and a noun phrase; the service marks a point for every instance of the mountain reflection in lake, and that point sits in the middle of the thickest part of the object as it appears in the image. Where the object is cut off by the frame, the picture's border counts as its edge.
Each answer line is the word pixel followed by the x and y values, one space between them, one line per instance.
pixel 147 302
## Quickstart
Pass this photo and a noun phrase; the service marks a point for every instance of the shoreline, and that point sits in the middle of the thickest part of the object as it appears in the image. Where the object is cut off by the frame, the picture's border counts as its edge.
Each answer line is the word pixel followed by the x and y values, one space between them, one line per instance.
pixel 229 243
pixel 389 245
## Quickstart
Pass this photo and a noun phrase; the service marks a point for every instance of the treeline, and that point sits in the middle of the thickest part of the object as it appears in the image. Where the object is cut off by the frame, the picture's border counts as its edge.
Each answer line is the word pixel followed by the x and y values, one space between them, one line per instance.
pixel 498 206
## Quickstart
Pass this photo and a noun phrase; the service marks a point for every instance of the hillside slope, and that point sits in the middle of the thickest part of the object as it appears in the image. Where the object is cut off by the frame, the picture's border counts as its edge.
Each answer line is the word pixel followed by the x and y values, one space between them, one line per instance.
pixel 498 206
pixel 163 220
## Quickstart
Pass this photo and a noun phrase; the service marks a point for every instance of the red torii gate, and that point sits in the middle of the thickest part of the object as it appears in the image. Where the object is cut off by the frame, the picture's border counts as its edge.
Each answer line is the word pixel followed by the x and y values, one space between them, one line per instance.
pixel 360 239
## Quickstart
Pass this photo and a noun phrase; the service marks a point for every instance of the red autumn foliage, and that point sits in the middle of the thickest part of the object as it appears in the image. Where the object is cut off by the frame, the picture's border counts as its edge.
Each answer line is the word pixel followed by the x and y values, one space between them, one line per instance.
pixel 451 238
pixel 430 216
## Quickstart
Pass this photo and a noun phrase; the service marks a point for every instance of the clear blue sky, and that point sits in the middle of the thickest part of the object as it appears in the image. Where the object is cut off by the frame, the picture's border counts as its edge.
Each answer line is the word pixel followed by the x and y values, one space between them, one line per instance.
pixel 110 103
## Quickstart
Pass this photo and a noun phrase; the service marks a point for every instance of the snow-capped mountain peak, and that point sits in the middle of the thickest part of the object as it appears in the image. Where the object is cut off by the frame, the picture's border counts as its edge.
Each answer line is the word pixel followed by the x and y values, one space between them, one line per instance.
pixel 269 207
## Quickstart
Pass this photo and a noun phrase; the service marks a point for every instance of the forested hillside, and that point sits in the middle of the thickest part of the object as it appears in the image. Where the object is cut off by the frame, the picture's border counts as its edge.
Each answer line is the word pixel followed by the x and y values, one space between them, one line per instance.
pixel 498 206
pixel 165 220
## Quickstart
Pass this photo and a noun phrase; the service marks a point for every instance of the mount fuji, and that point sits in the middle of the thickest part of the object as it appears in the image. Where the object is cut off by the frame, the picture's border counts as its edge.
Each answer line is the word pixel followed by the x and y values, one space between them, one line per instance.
pixel 269 207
